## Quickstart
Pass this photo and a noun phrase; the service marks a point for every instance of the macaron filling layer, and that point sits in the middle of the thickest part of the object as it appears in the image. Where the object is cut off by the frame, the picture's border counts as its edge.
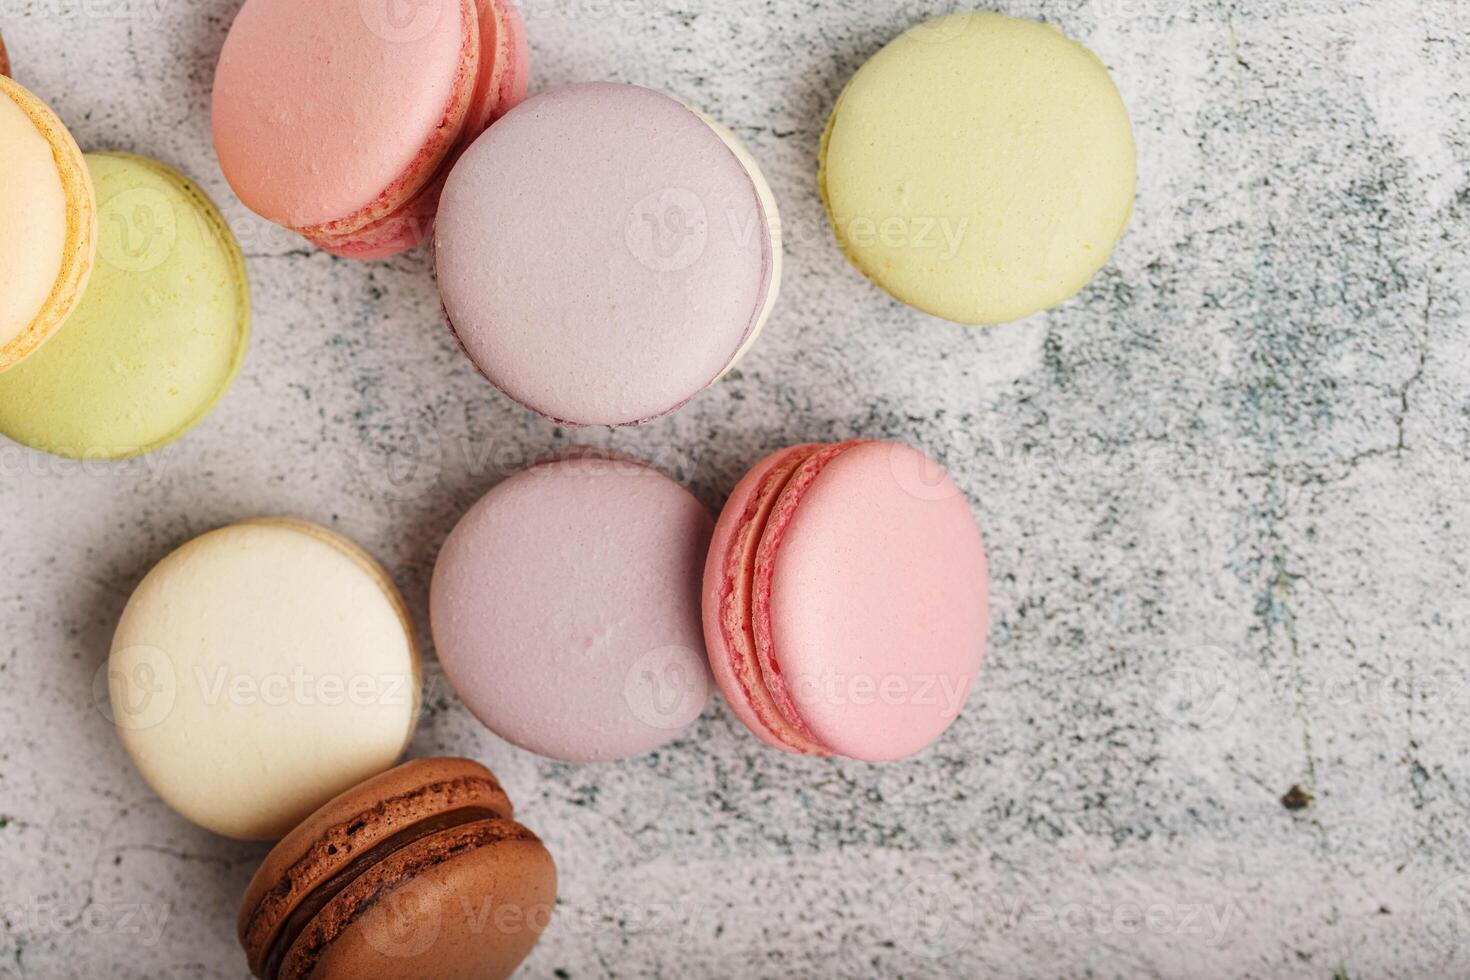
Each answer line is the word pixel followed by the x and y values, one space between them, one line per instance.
pixel 318 899
pixel 329 851
pixel 845 601
pixel 745 602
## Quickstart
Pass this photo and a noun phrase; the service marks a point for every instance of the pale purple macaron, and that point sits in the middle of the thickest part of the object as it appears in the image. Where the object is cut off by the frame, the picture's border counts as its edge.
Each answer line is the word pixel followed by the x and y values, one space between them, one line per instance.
pixel 566 612
pixel 605 253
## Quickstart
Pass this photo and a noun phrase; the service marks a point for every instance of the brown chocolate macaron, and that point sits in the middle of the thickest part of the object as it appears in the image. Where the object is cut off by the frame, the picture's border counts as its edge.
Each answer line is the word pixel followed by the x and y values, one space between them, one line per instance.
pixel 4 59
pixel 418 872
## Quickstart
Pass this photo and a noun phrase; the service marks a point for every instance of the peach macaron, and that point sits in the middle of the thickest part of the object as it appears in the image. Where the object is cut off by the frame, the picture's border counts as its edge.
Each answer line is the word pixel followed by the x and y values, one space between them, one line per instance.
pixel 48 224
pixel 340 119
pixel 845 601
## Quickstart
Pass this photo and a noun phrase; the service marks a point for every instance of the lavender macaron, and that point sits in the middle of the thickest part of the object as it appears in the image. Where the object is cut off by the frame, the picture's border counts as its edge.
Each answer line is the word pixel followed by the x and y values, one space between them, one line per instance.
pixel 565 608
pixel 606 252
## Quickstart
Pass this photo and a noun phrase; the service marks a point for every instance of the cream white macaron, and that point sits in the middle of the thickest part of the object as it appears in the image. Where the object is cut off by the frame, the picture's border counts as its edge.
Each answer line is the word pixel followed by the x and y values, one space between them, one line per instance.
pixel 260 670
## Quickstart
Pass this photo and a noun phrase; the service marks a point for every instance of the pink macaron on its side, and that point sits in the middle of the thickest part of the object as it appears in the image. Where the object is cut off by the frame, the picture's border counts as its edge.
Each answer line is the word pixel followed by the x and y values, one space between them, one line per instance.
pixel 605 253
pixel 565 608
pixel 845 600
pixel 340 119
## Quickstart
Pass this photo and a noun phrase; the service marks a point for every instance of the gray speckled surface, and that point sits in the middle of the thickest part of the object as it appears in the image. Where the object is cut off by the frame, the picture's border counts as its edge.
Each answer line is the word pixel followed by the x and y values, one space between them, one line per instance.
pixel 1225 492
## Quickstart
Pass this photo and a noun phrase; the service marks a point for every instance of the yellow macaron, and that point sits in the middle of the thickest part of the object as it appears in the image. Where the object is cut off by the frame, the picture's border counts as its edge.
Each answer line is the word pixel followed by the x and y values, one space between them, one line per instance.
pixel 159 334
pixel 48 223
pixel 980 167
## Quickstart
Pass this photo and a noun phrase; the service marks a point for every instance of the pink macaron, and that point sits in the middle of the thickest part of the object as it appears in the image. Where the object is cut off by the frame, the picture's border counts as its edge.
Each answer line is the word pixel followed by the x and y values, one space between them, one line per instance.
pixel 565 608
pixel 340 119
pixel 606 252
pixel 845 600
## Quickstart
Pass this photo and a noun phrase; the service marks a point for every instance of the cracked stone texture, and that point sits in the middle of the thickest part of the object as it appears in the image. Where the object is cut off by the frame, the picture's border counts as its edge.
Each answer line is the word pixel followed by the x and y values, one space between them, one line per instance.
pixel 1224 490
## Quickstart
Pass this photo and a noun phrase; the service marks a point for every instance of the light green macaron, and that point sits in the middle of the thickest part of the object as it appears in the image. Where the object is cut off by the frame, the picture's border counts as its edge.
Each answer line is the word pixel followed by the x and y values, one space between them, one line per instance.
pixel 159 334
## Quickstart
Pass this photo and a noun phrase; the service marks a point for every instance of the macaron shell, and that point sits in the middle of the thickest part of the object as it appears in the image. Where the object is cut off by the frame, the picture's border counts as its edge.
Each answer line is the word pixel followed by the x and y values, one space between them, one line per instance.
pixel 563 599
pixel 351 824
pixel 339 110
pixel 48 224
pixel 159 335
pixel 878 603
pixel 260 670
pixel 4 58
pixel 467 904
pixel 633 197
pixel 503 86
pixel 728 577
pixel 775 267
pixel 980 167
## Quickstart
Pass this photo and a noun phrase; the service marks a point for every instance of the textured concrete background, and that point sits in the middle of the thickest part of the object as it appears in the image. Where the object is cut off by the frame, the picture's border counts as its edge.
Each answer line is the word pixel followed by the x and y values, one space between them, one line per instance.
pixel 1225 492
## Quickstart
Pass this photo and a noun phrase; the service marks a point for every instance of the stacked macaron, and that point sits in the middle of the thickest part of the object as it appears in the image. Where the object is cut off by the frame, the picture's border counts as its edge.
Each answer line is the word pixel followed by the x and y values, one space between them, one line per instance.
pixel 845 600
pixel 340 119
pixel 130 373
